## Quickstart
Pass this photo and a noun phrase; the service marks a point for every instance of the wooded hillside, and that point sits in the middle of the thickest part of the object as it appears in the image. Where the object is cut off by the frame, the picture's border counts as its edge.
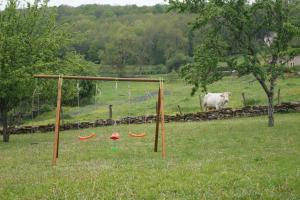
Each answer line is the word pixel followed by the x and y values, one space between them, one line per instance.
pixel 129 35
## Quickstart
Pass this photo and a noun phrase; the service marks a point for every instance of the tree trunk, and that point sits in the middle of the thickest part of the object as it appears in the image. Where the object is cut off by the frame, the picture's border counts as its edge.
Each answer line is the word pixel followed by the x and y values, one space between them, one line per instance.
pixel 270 95
pixel 270 110
pixel 4 124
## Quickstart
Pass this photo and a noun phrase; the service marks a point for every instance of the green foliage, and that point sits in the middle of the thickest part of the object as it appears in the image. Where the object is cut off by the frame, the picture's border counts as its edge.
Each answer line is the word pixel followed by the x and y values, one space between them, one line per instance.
pixel 46 108
pixel 128 35
pixel 252 102
pixel 70 64
pixel 120 51
pixel 132 70
pixel 260 33
pixel 296 68
pixel 242 28
pixel 204 70
pixel 29 40
pixel 176 61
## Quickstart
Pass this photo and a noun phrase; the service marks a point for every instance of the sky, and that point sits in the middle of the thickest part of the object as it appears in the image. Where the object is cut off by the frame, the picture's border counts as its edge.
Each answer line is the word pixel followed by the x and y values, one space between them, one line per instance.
pixel 111 2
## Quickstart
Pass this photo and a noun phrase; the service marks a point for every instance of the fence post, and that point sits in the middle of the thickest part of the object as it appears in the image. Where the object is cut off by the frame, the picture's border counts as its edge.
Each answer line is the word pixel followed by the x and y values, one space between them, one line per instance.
pixel 244 99
pixel 200 102
pixel 179 109
pixel 110 111
pixel 278 96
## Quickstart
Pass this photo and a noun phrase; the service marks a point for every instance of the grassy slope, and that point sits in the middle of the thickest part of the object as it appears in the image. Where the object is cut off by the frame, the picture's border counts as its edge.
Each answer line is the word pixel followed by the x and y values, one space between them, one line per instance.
pixel 239 158
pixel 178 93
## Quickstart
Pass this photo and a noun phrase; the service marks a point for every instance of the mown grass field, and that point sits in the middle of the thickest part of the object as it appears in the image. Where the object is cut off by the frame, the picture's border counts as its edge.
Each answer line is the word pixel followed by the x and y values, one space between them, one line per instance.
pixel 228 159
pixel 176 93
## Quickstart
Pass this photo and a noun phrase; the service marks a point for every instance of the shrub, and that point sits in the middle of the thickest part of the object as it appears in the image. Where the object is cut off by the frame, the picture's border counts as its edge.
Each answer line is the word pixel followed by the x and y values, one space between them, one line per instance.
pixel 67 116
pixel 46 108
pixel 252 102
pixel 175 62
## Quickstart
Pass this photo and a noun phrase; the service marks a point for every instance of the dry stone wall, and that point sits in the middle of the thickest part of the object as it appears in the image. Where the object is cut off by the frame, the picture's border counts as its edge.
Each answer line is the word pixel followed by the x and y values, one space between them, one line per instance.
pixel 249 111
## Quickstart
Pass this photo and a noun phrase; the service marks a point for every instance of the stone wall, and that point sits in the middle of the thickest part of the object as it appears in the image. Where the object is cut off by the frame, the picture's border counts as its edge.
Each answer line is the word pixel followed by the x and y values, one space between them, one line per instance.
pixel 249 111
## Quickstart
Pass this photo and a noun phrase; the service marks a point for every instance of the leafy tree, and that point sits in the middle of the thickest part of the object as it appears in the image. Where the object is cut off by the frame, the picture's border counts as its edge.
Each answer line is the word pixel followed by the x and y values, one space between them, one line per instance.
pixel 120 51
pixel 71 64
pixel 204 70
pixel 154 46
pixel 253 39
pixel 176 61
pixel 157 35
pixel 29 38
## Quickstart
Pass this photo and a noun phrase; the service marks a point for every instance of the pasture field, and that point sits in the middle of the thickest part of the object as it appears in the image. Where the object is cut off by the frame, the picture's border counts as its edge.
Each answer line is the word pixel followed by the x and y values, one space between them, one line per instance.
pixel 143 98
pixel 227 159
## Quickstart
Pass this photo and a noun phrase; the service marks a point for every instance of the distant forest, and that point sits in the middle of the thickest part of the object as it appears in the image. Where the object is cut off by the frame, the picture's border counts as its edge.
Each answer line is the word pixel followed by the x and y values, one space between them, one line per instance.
pixel 119 36
pixel 129 35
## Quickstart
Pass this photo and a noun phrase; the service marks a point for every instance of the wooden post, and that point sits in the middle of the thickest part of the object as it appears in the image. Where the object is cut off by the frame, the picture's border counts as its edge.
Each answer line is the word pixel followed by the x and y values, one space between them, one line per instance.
pixel 162 118
pixel 97 78
pixel 157 121
pixel 244 99
pixel 200 102
pixel 57 123
pixel 110 111
pixel 179 109
pixel 278 96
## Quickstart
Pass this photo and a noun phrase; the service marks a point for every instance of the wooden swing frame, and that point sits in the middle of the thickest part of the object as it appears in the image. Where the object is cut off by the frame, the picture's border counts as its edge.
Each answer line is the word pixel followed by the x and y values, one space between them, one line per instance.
pixel 160 115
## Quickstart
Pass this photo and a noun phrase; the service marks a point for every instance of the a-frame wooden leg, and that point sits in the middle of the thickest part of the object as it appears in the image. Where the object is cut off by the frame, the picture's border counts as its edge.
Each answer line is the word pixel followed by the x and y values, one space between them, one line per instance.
pixel 58 129
pixel 162 120
pixel 57 123
pixel 157 121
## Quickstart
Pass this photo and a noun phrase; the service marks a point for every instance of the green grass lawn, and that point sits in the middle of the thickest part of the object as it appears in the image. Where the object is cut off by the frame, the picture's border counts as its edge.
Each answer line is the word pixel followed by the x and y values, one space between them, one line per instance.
pixel 228 159
pixel 177 93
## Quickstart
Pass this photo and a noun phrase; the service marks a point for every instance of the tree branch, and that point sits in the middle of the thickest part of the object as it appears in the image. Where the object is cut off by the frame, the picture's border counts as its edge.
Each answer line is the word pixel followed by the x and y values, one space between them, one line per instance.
pixel 262 83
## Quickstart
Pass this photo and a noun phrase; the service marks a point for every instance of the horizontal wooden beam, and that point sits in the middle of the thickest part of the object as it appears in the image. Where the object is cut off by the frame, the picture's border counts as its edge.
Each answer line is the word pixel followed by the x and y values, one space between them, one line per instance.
pixel 96 78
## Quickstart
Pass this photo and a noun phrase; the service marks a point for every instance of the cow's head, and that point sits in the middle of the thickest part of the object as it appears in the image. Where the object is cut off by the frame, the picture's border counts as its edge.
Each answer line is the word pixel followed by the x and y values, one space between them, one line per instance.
pixel 225 96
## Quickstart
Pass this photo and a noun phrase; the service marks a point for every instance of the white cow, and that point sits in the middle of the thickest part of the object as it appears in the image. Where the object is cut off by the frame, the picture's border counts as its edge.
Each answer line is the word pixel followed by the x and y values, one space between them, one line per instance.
pixel 216 100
